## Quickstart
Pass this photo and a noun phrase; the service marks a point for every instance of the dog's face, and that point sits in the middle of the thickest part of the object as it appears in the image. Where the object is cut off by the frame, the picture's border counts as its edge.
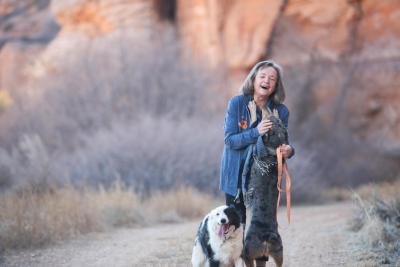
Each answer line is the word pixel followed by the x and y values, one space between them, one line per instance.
pixel 224 220
pixel 277 135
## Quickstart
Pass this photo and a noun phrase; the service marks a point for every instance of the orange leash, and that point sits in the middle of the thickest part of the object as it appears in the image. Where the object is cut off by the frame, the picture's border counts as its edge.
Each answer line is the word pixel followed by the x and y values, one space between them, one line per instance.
pixel 283 167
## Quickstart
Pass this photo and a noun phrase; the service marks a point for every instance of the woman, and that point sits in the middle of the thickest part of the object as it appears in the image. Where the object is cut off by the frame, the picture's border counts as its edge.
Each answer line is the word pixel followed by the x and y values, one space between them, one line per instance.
pixel 262 91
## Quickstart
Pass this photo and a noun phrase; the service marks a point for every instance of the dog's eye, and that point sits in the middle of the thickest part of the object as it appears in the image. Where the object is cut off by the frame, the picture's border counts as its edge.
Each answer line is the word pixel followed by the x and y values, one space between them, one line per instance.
pixel 217 214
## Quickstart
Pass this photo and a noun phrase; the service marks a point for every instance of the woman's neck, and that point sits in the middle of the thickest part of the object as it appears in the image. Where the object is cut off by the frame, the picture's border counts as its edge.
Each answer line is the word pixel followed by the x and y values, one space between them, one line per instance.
pixel 260 101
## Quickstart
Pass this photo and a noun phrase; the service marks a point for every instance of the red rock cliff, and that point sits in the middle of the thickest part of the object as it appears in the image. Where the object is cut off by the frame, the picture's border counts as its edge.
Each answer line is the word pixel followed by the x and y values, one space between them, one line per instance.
pixel 345 55
pixel 341 58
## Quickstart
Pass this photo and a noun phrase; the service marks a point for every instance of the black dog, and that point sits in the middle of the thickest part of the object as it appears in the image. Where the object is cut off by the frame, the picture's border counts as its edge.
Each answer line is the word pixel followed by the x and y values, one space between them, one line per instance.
pixel 261 236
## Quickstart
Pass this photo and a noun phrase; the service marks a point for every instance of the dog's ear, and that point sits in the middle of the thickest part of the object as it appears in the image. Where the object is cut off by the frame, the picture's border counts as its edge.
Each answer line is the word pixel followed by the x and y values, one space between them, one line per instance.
pixel 234 215
pixel 233 206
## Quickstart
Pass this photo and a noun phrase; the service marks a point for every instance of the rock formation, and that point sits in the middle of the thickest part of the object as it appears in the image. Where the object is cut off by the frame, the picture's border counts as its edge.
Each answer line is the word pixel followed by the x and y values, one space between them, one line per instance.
pixel 341 58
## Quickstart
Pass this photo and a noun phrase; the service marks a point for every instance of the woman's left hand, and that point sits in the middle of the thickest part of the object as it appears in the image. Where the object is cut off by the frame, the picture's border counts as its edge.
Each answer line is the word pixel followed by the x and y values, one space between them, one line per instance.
pixel 286 151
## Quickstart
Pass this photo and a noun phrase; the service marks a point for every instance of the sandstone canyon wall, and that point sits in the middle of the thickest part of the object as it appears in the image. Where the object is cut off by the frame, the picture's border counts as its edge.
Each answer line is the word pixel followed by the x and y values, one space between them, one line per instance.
pixel 341 59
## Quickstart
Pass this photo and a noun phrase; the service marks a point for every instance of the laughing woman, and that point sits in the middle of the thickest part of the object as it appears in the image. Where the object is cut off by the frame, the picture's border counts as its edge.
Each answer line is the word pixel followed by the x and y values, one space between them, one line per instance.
pixel 261 92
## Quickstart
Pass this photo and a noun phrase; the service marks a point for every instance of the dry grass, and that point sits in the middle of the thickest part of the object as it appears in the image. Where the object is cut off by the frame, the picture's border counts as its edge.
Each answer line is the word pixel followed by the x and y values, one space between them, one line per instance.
pixel 382 190
pixel 377 223
pixel 179 204
pixel 29 218
pixel 337 194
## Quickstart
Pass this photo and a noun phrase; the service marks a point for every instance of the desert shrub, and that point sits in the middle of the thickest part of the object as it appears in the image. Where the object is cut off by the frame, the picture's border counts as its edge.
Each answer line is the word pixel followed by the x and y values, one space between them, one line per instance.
pixel 116 108
pixel 377 222
pixel 148 159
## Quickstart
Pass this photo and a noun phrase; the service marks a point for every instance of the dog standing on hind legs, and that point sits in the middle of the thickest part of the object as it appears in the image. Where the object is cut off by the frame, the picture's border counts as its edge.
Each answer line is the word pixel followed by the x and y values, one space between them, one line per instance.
pixel 262 238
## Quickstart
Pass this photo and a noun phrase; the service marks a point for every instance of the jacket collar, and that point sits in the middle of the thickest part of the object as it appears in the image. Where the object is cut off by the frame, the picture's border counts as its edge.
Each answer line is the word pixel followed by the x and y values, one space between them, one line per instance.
pixel 270 104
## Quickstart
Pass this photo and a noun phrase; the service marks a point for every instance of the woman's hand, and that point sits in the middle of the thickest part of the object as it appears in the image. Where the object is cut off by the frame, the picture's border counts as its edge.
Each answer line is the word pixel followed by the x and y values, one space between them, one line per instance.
pixel 286 151
pixel 264 126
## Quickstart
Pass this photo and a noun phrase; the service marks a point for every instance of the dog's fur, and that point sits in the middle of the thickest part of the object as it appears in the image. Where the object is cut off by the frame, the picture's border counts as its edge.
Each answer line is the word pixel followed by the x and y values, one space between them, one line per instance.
pixel 219 240
pixel 262 238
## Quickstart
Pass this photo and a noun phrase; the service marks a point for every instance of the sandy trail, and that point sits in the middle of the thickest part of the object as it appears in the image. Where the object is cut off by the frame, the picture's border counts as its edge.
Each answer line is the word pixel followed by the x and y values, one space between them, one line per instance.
pixel 317 236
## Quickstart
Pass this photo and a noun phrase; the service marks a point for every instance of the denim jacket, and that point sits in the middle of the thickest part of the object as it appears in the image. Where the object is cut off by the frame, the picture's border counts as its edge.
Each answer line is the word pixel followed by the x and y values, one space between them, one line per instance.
pixel 239 134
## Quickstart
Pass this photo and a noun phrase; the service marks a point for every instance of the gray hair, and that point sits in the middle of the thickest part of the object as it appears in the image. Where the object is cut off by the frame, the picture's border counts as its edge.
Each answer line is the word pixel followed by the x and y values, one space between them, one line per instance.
pixel 247 87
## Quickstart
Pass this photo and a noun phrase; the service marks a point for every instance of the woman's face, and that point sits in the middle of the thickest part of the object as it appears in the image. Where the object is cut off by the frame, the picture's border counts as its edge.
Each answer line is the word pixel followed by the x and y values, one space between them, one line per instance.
pixel 265 82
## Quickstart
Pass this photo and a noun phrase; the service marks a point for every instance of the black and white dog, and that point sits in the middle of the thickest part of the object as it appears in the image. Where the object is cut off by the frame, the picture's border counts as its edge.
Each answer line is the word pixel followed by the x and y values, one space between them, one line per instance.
pixel 219 240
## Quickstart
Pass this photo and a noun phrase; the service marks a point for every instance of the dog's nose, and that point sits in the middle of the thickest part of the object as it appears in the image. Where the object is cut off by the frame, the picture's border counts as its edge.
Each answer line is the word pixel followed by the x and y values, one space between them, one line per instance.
pixel 223 220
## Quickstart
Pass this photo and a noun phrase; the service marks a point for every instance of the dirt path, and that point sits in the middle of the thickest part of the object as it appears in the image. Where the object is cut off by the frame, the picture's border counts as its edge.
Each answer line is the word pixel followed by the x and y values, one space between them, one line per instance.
pixel 318 236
